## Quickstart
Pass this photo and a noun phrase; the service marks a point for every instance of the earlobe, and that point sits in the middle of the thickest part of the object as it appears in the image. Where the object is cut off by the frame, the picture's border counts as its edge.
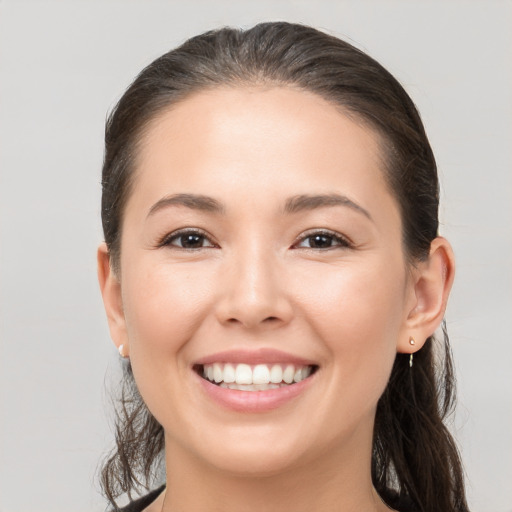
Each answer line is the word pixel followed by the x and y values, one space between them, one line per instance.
pixel 112 299
pixel 433 279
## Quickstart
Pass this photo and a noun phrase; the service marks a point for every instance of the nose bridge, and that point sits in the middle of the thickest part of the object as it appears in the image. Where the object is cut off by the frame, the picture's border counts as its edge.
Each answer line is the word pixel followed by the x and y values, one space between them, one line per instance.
pixel 253 294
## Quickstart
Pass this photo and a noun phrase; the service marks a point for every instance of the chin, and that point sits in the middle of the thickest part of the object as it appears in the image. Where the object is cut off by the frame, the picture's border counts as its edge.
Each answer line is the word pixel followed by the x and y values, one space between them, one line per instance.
pixel 252 455
pixel 255 463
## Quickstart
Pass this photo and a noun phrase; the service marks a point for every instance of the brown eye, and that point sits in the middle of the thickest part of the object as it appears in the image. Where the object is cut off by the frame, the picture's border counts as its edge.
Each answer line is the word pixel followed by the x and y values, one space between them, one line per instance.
pixel 322 240
pixel 188 240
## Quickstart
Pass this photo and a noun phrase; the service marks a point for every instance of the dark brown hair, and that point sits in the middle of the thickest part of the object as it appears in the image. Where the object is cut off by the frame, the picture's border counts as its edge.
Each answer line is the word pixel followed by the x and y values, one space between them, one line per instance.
pixel 414 455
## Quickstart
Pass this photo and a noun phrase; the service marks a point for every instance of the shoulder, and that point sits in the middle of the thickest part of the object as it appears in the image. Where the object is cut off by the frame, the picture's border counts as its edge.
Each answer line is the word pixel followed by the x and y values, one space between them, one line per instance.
pixel 140 504
pixel 399 504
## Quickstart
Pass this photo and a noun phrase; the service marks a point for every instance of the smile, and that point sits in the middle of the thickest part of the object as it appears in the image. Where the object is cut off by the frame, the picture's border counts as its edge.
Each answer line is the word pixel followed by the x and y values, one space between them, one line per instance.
pixel 260 377
pixel 254 381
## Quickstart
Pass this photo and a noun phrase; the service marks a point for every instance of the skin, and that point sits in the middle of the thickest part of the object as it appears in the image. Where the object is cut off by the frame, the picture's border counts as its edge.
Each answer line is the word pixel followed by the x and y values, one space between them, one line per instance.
pixel 256 282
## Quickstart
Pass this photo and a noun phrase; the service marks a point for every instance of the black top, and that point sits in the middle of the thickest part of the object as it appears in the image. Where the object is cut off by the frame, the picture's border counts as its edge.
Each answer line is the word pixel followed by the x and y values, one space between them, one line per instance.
pixel 402 505
pixel 140 504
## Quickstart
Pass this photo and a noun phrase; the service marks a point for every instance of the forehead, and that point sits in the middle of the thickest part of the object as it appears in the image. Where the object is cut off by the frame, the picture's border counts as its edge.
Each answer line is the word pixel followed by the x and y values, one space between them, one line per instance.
pixel 260 110
pixel 271 141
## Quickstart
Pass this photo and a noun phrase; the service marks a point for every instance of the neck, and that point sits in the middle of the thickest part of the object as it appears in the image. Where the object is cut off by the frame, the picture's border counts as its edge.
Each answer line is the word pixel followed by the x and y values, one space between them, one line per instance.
pixel 338 480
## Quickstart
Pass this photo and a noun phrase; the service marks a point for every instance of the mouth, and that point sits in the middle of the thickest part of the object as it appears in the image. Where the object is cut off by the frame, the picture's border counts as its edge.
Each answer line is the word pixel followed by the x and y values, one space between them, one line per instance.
pixel 259 377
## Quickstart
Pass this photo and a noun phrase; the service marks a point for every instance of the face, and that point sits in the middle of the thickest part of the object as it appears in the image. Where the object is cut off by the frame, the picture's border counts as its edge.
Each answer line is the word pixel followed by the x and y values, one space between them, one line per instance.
pixel 261 243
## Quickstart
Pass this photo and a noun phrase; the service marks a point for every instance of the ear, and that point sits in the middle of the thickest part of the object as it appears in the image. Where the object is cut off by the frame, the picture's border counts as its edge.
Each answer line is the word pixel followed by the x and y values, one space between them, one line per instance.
pixel 112 300
pixel 432 281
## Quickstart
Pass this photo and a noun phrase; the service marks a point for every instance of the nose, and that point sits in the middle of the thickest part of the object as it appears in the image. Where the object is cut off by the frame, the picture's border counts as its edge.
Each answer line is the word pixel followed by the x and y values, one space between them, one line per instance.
pixel 254 292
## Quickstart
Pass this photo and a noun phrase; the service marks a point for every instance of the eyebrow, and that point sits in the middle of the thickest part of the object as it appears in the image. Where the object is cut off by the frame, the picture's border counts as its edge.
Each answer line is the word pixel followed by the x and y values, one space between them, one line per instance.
pixel 293 204
pixel 311 202
pixel 193 201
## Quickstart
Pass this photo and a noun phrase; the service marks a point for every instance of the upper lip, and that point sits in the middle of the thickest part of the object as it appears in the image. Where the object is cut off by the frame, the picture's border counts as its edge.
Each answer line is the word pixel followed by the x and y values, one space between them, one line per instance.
pixel 260 356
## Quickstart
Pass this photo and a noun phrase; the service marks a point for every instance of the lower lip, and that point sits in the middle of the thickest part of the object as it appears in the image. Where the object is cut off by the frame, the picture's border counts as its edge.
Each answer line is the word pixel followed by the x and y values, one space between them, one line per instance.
pixel 253 401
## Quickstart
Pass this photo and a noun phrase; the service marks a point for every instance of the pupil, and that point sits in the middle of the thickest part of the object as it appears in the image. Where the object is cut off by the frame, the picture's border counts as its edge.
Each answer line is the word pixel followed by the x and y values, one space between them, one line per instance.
pixel 191 241
pixel 321 241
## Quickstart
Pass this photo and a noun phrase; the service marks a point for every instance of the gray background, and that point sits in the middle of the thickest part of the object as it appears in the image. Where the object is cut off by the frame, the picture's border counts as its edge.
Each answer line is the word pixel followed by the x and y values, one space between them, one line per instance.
pixel 64 64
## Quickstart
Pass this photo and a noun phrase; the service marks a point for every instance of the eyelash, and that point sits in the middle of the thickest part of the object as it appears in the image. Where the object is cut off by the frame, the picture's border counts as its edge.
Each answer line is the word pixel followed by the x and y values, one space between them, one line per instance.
pixel 166 241
pixel 341 241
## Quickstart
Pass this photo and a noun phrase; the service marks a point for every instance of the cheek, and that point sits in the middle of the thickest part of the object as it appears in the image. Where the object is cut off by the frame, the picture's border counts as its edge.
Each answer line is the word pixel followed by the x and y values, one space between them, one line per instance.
pixel 164 305
pixel 353 298
pixel 357 313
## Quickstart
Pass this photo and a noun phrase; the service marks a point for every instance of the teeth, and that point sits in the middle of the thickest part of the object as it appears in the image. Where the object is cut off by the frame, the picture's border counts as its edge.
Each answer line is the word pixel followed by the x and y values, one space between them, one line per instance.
pixel 252 387
pixel 243 374
pixel 276 374
pixel 261 374
pixel 217 373
pixel 229 373
pixel 288 374
pixel 254 378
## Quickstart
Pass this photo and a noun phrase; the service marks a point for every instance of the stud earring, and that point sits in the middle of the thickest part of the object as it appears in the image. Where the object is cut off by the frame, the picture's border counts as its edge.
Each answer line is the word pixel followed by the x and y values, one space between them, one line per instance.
pixel 411 357
pixel 121 351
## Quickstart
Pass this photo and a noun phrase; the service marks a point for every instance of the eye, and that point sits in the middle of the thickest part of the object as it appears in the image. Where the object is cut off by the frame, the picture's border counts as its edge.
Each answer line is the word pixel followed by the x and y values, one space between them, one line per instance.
pixel 322 240
pixel 187 239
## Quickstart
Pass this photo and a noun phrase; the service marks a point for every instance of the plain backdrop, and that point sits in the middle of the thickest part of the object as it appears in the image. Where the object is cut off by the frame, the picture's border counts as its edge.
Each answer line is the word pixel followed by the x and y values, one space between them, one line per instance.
pixel 62 67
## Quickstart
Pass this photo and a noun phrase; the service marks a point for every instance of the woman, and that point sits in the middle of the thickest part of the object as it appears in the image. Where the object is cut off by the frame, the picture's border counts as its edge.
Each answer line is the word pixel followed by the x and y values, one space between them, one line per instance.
pixel 273 276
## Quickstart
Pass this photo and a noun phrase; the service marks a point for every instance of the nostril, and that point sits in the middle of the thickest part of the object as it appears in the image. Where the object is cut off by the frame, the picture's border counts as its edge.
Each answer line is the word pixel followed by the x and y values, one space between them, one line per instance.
pixel 268 319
